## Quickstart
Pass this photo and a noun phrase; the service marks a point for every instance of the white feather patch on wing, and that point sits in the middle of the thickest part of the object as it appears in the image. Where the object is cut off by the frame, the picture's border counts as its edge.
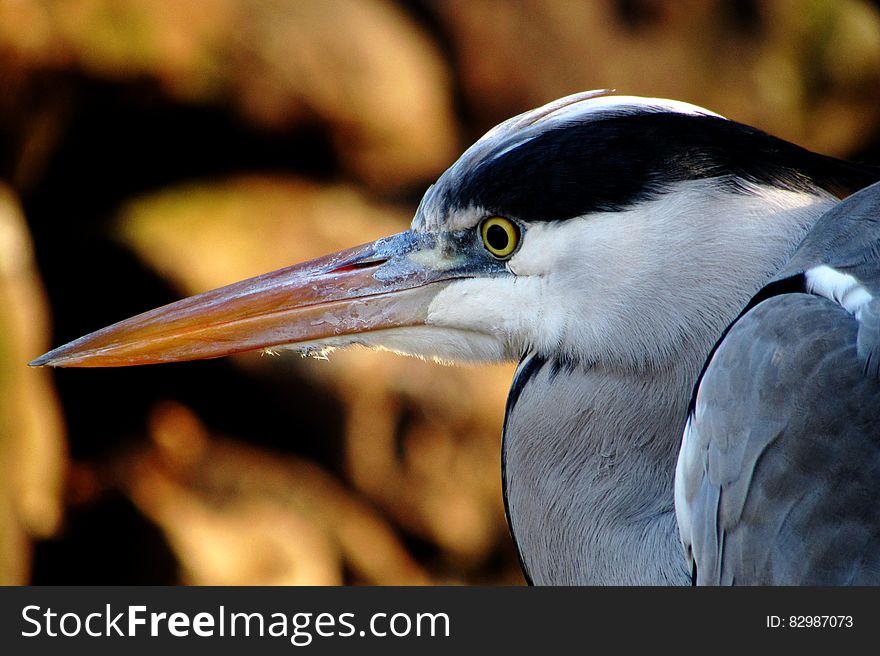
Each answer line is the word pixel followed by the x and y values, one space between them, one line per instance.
pixel 842 288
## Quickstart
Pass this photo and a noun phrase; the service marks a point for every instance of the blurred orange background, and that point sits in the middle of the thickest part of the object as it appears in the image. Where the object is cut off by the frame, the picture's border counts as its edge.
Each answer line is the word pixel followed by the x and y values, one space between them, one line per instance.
pixel 151 149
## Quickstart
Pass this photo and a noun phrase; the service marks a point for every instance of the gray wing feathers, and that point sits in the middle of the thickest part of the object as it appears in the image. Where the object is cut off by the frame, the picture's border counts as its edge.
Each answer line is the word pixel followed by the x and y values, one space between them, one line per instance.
pixel 847 237
pixel 868 339
pixel 788 488
pixel 779 472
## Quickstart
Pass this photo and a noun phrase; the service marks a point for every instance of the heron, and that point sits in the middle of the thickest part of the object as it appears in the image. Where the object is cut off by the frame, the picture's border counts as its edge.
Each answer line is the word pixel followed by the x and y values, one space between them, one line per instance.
pixel 693 304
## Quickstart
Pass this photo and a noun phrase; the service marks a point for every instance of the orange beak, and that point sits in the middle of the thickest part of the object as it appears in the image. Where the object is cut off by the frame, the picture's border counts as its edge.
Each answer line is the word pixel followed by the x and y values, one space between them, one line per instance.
pixel 372 287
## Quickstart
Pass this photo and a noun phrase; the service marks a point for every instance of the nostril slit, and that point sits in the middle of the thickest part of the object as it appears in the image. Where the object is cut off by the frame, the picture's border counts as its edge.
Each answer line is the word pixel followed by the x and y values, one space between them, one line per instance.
pixel 360 264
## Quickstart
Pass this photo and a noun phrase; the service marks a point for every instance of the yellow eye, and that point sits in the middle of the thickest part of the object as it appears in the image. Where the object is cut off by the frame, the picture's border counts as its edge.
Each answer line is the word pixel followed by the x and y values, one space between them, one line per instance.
pixel 500 236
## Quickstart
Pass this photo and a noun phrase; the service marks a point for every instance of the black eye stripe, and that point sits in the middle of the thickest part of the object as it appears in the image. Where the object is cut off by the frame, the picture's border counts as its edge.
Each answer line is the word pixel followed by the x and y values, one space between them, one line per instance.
pixel 615 162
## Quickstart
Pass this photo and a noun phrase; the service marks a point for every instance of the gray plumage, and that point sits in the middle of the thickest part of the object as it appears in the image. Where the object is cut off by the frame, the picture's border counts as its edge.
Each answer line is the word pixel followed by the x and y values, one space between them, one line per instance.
pixel 847 239
pixel 574 509
pixel 780 465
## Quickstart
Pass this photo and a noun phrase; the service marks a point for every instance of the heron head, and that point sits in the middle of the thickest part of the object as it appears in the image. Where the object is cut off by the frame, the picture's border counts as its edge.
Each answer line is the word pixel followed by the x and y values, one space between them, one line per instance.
pixel 536 239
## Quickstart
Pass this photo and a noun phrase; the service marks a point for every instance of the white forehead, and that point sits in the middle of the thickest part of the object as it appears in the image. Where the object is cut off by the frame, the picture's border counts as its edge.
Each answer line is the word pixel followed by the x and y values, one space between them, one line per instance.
pixel 635 104
pixel 588 105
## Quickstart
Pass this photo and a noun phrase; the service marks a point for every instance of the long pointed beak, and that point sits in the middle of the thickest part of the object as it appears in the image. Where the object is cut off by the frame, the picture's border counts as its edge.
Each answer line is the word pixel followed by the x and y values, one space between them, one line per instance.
pixel 371 287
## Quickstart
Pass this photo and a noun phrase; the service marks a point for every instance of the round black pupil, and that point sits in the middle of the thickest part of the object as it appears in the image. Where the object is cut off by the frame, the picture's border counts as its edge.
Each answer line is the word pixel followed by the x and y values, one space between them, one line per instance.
pixel 497 237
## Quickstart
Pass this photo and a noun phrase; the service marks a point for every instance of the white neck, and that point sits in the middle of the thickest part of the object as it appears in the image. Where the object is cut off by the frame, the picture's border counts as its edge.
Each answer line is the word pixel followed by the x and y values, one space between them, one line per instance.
pixel 589 482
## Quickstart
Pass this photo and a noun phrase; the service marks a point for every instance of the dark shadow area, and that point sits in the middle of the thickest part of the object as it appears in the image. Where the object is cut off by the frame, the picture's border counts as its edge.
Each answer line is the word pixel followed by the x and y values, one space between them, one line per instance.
pixel 108 542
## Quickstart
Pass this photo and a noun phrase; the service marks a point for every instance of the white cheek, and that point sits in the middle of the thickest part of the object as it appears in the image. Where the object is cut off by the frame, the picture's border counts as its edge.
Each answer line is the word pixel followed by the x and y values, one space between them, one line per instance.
pixel 506 308
pixel 557 264
pixel 534 309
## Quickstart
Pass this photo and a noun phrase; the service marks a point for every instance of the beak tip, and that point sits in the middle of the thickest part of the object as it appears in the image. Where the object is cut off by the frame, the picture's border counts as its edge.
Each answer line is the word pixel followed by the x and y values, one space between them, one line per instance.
pixel 58 357
pixel 41 361
pixel 45 360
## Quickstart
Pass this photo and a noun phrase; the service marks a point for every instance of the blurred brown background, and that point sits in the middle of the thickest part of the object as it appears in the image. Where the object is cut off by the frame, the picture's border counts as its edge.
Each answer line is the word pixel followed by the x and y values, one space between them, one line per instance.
pixel 151 149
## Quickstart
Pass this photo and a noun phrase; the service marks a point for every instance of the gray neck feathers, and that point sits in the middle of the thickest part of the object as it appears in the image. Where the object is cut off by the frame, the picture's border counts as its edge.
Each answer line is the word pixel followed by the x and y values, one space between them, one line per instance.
pixel 590 444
